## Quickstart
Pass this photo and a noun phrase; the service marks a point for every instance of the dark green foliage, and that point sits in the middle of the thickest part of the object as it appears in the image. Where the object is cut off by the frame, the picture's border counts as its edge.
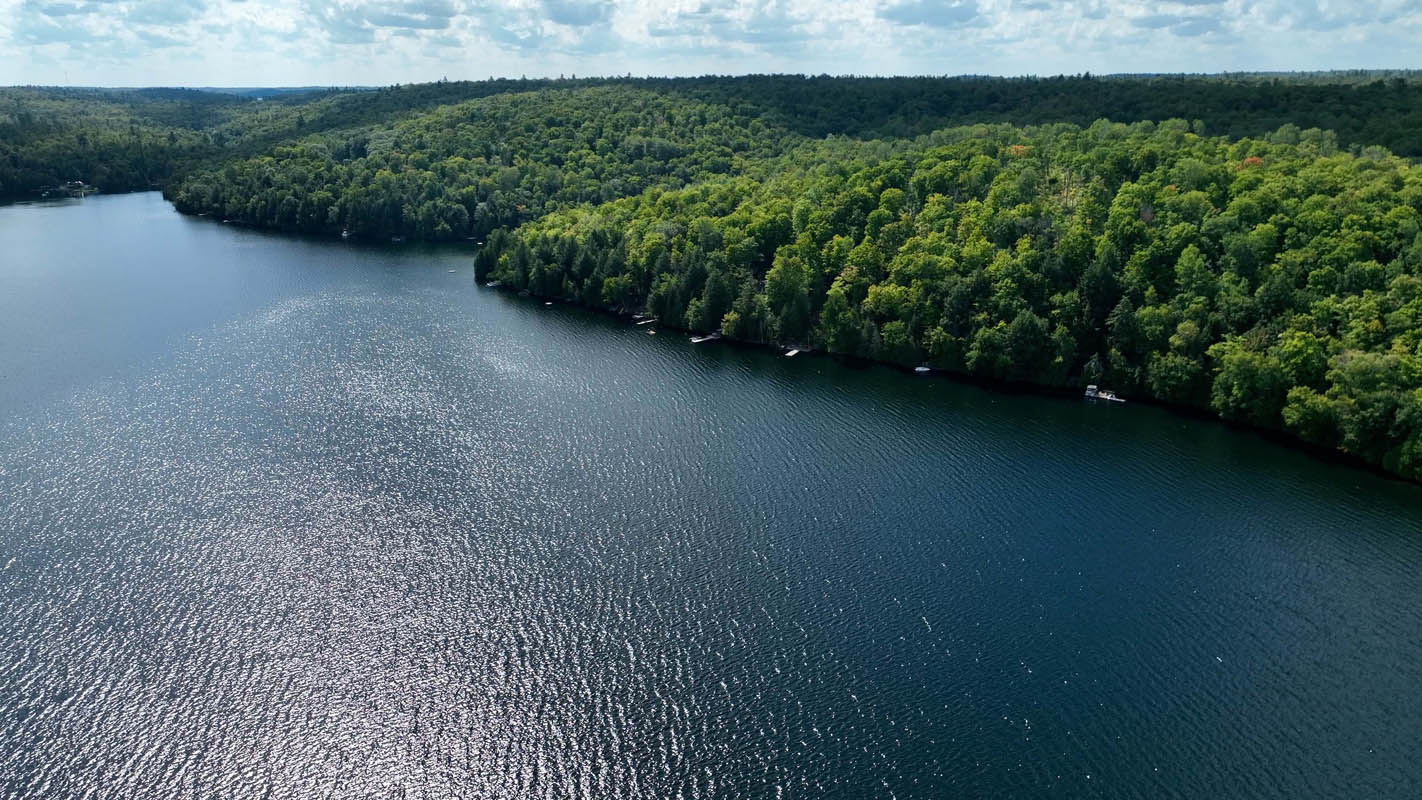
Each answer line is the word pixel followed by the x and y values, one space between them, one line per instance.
pixel 115 140
pixel 1270 271
pixel 133 139
pixel 471 168
pixel 1276 284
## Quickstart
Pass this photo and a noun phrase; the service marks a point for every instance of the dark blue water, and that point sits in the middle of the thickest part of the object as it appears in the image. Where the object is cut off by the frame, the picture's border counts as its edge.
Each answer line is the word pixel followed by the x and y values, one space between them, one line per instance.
pixel 291 519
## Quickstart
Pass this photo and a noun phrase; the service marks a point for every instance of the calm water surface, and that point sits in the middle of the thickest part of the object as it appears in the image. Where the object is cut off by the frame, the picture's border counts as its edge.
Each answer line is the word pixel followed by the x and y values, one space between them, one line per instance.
pixel 292 519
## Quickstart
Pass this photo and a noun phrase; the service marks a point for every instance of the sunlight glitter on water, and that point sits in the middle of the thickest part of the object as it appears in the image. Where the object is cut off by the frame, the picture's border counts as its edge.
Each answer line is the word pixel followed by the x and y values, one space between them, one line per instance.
pixel 359 529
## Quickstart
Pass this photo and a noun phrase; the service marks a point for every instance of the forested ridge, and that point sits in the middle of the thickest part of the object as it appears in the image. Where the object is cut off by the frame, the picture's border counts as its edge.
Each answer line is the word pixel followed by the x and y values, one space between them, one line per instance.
pixel 127 139
pixel 1250 247
pixel 117 140
pixel 518 149
pixel 131 139
pixel 470 168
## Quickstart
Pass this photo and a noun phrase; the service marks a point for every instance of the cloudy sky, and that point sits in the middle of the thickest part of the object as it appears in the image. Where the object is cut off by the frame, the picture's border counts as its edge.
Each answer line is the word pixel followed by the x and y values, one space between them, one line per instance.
pixel 304 42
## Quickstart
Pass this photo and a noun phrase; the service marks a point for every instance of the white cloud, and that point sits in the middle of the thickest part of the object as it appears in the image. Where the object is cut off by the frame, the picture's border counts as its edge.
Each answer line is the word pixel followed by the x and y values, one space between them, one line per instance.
pixel 269 42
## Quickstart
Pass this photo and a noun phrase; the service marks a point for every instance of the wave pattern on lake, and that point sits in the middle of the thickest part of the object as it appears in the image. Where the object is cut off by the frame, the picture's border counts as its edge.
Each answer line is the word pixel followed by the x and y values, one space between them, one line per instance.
pixel 373 532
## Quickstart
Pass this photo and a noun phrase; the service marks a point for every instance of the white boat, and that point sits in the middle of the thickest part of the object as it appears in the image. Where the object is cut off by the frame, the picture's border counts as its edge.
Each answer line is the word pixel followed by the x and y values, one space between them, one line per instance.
pixel 647 321
pixel 922 370
pixel 548 303
pixel 792 353
pixel 710 337
pixel 493 285
pixel 1093 393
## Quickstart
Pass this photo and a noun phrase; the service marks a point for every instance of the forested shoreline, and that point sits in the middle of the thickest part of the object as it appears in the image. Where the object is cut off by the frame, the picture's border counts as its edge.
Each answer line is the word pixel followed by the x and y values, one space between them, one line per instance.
pixel 1247 247
pixel 1272 282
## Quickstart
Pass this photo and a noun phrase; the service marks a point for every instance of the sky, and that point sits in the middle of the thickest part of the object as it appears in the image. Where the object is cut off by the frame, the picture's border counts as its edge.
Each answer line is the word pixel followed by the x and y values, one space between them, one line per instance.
pixel 352 42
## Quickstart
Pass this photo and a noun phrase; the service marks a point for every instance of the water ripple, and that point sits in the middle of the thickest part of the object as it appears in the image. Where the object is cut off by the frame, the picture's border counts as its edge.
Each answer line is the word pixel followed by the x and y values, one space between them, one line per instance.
pixel 385 535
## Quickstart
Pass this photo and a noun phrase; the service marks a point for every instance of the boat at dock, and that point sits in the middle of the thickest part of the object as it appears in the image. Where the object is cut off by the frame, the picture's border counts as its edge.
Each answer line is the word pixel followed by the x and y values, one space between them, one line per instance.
pixel 922 370
pixel 72 189
pixel 493 285
pixel 792 353
pixel 1093 393
pixel 710 337
pixel 647 321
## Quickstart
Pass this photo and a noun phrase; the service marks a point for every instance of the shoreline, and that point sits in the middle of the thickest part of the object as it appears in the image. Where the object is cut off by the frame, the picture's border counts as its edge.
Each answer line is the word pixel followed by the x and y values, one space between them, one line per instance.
pixel 1275 437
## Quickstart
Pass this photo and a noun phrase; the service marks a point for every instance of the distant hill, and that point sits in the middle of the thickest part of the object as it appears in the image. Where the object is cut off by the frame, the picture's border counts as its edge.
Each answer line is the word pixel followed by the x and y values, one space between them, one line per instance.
pixel 281 91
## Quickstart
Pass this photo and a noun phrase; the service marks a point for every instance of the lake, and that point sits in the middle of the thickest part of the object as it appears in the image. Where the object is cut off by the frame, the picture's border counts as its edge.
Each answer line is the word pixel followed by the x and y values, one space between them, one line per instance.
pixel 286 518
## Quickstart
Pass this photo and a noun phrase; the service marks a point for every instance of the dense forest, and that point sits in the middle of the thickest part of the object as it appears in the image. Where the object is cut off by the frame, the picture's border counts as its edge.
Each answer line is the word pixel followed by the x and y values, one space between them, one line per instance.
pixel 470 168
pixel 121 140
pixel 509 156
pixel 115 140
pixel 128 139
pixel 1274 281
pixel 1248 246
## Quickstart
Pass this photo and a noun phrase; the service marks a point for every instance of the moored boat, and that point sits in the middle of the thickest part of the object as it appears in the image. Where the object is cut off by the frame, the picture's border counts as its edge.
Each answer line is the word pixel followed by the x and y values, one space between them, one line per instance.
pixel 1093 393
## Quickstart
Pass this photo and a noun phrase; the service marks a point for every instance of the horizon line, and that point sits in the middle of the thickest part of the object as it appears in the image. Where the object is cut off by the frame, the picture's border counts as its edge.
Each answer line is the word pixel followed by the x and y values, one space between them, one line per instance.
pixel 571 77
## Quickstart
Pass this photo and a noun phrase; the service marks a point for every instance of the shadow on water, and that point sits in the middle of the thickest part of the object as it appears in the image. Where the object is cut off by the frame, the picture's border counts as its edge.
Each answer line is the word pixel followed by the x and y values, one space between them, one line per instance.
pixel 1103 431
